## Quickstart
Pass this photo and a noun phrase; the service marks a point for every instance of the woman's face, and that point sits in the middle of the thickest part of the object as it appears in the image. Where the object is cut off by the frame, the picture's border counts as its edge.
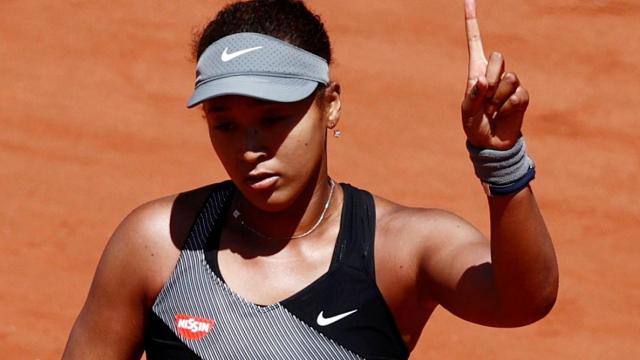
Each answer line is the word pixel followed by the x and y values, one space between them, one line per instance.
pixel 271 150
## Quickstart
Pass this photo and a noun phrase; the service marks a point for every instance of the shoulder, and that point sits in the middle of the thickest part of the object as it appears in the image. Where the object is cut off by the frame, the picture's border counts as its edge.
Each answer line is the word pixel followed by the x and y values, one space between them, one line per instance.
pixel 422 241
pixel 147 243
pixel 134 266
pixel 166 218
pixel 408 226
pixel 416 224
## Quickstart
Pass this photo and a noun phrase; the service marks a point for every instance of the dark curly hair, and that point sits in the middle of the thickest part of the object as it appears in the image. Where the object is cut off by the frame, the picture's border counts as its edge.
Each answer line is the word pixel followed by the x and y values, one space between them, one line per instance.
pixel 287 20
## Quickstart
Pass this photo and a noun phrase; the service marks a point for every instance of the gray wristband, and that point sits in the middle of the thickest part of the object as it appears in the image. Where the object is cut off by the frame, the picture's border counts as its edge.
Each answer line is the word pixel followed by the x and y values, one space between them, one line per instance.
pixel 503 172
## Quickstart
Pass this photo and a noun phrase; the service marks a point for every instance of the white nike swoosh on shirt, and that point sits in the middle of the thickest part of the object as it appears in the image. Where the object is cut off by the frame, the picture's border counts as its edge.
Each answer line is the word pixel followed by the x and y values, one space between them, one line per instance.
pixel 322 321
pixel 230 56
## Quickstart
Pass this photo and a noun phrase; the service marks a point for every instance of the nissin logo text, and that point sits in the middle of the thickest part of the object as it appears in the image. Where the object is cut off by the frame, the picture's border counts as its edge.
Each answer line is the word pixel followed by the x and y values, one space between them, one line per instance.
pixel 193 327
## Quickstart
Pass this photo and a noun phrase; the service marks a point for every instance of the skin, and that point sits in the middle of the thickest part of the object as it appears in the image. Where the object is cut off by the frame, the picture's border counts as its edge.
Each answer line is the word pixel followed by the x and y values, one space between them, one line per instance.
pixel 508 280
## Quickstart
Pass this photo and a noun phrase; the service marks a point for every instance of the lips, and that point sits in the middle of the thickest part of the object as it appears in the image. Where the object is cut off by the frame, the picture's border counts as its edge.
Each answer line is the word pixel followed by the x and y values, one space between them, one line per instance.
pixel 261 180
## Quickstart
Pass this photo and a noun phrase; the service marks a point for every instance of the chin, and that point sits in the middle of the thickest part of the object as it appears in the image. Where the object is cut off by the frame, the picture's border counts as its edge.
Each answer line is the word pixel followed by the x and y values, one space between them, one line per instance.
pixel 270 200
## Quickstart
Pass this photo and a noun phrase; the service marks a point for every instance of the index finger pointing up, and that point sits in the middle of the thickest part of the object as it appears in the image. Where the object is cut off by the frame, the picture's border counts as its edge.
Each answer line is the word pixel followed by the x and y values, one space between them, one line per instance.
pixel 474 41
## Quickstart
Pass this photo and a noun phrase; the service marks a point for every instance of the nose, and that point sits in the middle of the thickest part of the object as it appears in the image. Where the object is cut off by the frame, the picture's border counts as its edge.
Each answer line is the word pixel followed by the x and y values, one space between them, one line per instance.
pixel 253 149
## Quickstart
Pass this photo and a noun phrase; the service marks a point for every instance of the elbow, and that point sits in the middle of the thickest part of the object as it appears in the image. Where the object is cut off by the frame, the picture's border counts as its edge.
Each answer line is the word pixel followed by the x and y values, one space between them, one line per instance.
pixel 548 295
pixel 542 308
pixel 547 300
pixel 535 308
pixel 525 315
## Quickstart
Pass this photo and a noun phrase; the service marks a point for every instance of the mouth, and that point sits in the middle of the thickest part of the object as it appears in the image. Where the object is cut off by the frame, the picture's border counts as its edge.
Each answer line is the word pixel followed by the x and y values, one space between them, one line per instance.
pixel 261 181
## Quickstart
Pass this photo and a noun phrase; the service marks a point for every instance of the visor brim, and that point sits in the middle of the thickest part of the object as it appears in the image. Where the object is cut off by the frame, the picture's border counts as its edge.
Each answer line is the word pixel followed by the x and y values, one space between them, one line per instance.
pixel 279 89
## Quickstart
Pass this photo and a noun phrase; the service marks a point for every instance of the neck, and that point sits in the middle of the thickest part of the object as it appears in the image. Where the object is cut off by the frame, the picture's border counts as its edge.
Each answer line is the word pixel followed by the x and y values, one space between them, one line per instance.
pixel 303 219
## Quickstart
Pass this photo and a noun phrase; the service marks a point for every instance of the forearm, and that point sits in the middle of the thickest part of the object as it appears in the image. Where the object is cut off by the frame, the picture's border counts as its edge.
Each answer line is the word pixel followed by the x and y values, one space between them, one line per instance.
pixel 515 282
pixel 523 259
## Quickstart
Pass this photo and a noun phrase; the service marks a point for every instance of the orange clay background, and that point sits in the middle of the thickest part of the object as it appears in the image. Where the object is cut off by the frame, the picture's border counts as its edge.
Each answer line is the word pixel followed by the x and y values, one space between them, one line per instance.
pixel 93 123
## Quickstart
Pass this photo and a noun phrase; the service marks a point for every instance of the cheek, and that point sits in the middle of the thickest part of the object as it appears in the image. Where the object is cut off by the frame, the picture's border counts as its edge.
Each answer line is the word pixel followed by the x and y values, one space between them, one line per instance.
pixel 226 155
pixel 304 144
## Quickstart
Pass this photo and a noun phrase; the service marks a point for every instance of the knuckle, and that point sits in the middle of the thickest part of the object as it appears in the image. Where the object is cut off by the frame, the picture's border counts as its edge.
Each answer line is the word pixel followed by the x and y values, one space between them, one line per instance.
pixel 523 94
pixel 496 102
pixel 511 79
pixel 519 102
pixel 464 108
pixel 476 90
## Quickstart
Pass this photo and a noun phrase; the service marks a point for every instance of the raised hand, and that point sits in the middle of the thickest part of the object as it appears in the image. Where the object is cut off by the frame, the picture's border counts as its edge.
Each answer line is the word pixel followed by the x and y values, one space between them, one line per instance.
pixel 494 103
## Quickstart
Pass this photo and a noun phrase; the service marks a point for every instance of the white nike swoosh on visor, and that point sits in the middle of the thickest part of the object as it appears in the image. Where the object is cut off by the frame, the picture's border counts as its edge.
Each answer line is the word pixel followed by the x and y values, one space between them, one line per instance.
pixel 230 56
pixel 322 321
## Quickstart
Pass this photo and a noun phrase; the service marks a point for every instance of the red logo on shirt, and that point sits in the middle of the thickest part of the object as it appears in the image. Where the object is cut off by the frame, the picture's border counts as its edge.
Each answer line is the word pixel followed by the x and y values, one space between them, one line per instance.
pixel 193 327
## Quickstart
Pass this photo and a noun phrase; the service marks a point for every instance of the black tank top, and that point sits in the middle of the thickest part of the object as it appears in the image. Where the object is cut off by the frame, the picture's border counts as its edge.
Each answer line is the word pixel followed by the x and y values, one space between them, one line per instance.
pixel 341 315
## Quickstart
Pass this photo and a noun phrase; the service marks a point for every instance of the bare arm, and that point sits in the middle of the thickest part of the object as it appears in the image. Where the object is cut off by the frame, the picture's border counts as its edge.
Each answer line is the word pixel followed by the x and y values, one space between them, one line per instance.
pixel 524 262
pixel 509 281
pixel 513 279
pixel 111 323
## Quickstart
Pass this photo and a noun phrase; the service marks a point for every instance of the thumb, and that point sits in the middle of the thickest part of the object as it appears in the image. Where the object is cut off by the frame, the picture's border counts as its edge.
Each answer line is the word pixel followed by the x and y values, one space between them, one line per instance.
pixel 473 101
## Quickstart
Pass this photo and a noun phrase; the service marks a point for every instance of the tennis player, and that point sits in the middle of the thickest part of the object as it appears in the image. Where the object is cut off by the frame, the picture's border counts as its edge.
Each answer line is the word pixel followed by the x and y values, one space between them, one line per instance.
pixel 283 261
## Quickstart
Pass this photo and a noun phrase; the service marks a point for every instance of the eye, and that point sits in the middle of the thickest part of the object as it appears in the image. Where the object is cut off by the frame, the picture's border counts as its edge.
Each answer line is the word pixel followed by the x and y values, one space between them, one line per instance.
pixel 225 127
pixel 274 119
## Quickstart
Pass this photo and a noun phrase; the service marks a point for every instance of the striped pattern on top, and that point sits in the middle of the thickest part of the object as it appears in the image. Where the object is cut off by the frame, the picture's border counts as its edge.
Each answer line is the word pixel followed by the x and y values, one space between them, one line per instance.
pixel 216 323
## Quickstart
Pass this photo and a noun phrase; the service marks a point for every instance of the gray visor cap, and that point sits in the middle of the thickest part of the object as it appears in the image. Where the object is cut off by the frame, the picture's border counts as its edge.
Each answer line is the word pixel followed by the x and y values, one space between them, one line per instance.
pixel 258 66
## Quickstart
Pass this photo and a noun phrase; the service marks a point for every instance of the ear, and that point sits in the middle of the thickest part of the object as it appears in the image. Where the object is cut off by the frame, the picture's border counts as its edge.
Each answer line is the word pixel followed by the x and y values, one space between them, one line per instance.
pixel 332 104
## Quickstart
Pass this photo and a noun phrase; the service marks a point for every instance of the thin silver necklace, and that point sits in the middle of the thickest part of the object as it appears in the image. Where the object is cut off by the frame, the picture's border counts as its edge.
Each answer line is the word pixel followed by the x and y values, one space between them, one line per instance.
pixel 238 216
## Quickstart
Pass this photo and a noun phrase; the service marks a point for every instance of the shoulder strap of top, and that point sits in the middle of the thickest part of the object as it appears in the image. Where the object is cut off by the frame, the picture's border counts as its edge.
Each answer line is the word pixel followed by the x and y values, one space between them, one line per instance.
pixel 209 216
pixel 357 230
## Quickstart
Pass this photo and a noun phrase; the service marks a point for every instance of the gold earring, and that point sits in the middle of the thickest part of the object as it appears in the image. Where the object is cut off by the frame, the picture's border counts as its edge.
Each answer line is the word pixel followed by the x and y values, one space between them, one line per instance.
pixel 337 133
